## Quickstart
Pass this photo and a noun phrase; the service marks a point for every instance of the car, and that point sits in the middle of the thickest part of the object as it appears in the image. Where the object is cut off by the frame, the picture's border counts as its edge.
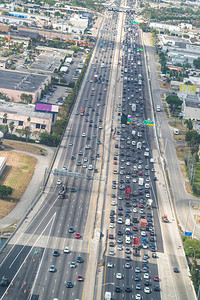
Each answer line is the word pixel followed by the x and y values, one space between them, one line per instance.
pixel 80 278
pixel 71 229
pixel 79 260
pixel 59 182
pixel 111 244
pixel 83 134
pixel 154 255
pixel 176 270
pixel 111 252
pixel 119 275
pixel 111 225
pixel 156 278
pixel 119 221
pixel 128 289
pixel 69 284
pixel 70 144
pixel 72 265
pixel 137 278
pixel 110 265
pixel 119 247
pixel 128 250
pixel 146 275
pixel 56 253
pixel 66 250
pixel 127 265
pixel 51 269
pixel 118 289
pixel 77 235
pixel 147 290
pixel 138 297
pixel 137 270
pixel 156 288
pixel 138 286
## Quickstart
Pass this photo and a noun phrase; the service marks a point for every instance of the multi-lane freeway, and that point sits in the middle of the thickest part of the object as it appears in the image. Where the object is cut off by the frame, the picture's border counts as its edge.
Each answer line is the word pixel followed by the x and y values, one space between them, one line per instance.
pixel 57 250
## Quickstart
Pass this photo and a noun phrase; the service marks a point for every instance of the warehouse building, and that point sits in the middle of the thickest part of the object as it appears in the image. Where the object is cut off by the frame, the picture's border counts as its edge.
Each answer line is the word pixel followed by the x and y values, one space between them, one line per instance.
pixel 13 84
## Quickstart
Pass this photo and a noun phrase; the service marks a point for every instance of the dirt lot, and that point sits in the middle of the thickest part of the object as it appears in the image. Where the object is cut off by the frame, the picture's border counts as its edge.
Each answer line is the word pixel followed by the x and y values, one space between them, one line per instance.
pixel 15 145
pixel 18 173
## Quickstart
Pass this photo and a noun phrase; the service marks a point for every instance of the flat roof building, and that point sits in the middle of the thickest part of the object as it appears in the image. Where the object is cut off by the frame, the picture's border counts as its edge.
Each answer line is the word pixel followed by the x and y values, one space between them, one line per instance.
pixel 190 106
pixel 14 83
pixel 19 113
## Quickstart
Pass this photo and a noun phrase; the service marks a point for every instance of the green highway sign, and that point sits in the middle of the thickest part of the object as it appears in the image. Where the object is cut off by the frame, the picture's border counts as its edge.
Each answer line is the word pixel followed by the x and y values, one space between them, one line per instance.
pixel 146 122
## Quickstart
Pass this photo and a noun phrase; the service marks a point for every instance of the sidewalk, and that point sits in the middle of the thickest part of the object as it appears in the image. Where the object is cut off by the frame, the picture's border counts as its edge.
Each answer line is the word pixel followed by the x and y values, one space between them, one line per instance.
pixel 32 190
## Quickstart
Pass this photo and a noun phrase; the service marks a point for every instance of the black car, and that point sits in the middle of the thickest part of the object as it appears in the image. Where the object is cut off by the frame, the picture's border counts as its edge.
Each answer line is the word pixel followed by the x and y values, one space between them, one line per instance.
pixel 69 284
pixel 128 289
pixel 118 289
pixel 56 253
pixel 156 287
pixel 79 259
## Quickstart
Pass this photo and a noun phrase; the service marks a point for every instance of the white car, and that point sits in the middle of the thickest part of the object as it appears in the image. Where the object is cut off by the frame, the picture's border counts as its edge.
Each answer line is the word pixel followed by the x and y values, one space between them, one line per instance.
pixel 119 276
pixel 85 159
pixel 147 186
pixel 134 179
pixel 110 265
pixel 66 250
pixel 143 233
pixel 138 297
pixel 111 252
pixel 134 210
pixel 59 182
pixel 84 134
pixel 84 165
pixel 111 225
pixel 146 275
pixel 119 248
pixel 113 203
pixel 119 221
pixel 73 265
pixel 147 290
pixel 90 167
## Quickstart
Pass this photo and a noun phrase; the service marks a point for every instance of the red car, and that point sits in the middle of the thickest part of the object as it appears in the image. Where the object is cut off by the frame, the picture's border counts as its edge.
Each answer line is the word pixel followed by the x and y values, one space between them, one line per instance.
pixel 86 120
pixel 156 278
pixel 135 228
pixel 141 205
pixel 80 278
pixel 114 163
pixel 77 235
pixel 140 173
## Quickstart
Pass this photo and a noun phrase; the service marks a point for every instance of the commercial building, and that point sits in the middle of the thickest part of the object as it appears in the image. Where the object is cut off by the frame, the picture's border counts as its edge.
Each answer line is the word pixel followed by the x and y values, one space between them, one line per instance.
pixel 190 106
pixel 172 28
pixel 40 121
pixel 14 83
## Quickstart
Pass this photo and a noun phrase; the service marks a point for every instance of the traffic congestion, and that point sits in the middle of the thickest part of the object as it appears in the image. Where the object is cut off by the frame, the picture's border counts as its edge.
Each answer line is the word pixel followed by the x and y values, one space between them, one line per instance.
pixel 131 270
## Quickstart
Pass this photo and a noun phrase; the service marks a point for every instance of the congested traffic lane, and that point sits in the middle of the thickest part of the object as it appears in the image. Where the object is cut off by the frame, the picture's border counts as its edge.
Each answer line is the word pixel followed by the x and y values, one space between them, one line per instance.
pixel 127 157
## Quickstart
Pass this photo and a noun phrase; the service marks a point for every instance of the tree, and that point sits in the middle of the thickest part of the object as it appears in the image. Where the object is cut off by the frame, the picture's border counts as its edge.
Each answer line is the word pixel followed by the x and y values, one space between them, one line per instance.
pixel 49 139
pixel 11 126
pixel 173 102
pixel 196 63
pixel 194 150
pixel 189 124
pixel 192 138
pixel 5 191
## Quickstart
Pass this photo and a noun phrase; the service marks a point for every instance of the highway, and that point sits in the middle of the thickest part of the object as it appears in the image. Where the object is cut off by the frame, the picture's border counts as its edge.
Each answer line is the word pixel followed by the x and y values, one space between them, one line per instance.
pixel 27 266
pixel 97 144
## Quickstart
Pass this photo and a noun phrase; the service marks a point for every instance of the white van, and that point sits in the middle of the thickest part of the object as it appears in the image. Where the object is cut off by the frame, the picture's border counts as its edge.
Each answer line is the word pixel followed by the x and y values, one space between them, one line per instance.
pixel 139 145
pixel 128 222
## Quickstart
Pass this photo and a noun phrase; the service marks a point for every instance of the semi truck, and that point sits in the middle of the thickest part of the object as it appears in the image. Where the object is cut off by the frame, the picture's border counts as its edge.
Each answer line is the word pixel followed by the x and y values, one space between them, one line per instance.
pixel 133 107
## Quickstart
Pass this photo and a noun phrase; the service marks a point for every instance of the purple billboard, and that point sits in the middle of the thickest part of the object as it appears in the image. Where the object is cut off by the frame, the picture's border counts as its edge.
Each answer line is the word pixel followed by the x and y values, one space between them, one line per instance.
pixel 46 107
